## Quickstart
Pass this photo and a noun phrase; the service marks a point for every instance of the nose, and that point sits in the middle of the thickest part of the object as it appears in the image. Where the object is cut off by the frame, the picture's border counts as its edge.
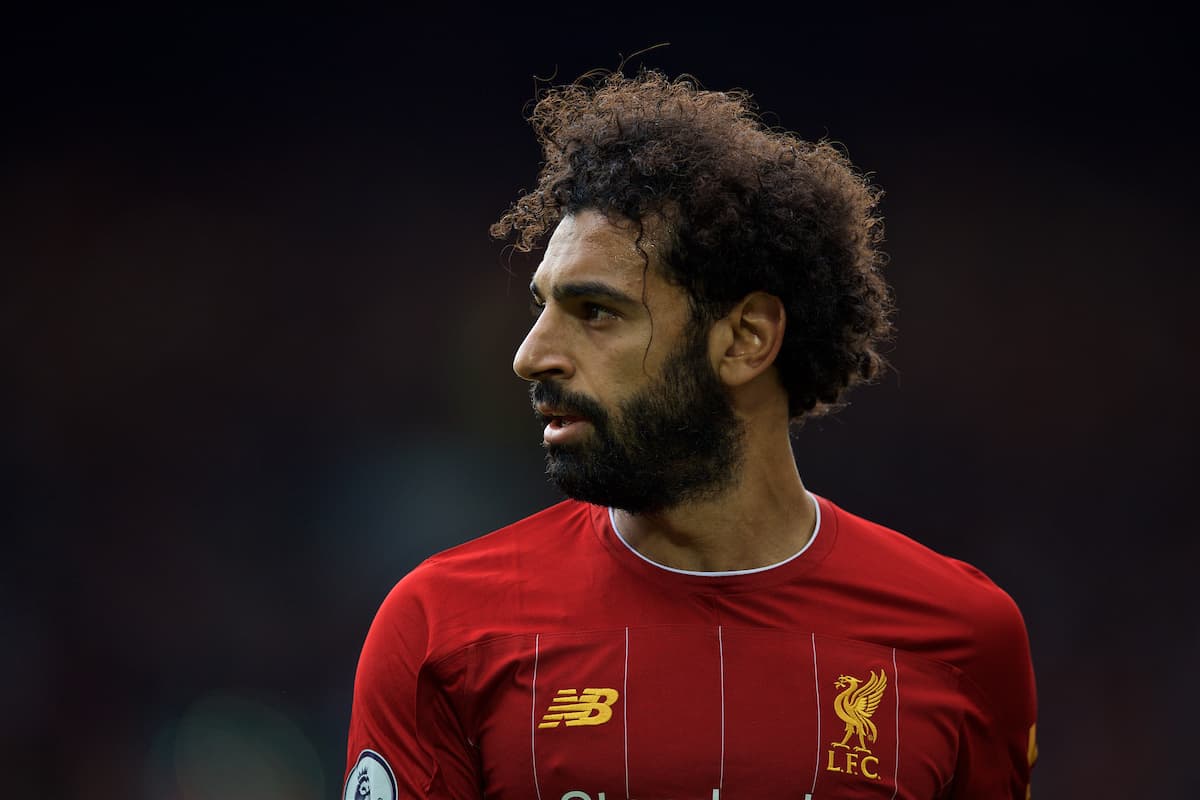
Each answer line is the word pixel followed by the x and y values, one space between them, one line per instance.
pixel 543 354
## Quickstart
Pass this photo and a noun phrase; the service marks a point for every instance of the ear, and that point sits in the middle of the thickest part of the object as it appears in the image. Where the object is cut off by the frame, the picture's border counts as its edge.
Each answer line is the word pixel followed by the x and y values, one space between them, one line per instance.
pixel 747 339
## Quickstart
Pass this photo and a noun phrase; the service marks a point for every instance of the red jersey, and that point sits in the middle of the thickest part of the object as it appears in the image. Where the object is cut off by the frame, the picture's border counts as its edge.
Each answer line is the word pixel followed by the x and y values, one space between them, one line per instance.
pixel 551 661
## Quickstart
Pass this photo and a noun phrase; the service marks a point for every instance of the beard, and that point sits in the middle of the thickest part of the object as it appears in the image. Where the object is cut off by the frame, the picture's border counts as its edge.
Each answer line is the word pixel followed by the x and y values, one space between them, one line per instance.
pixel 675 440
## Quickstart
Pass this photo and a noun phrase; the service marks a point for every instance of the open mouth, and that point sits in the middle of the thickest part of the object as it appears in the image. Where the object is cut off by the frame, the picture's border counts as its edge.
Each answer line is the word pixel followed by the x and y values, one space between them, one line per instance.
pixel 563 421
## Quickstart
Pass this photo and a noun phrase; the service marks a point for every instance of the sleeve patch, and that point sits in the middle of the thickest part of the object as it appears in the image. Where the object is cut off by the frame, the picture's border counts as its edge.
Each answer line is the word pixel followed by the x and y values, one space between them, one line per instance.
pixel 371 779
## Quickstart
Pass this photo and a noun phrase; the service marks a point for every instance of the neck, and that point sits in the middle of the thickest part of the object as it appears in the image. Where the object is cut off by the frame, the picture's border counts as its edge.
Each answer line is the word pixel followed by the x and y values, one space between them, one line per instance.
pixel 765 517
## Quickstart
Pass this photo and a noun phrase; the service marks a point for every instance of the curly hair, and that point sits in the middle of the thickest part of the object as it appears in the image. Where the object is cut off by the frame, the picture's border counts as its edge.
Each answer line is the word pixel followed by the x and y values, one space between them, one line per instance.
pixel 748 208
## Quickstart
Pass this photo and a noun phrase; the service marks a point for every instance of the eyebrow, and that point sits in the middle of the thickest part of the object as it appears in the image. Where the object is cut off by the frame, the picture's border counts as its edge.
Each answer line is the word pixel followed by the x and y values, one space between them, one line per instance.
pixel 594 289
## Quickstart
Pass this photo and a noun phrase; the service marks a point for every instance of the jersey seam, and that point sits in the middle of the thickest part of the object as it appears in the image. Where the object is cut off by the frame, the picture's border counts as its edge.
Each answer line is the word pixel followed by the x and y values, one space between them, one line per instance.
pixel 959 672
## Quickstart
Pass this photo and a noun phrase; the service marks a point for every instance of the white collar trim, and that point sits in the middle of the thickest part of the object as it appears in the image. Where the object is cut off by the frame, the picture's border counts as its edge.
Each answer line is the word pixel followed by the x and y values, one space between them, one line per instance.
pixel 727 573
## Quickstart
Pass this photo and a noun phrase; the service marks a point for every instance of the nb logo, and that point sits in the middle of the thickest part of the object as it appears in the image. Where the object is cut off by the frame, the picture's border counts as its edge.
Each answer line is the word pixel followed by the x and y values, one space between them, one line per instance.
pixel 589 707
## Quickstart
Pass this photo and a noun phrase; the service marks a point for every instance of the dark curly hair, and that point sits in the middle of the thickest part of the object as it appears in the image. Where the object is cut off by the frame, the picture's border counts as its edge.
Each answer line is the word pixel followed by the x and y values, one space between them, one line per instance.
pixel 747 208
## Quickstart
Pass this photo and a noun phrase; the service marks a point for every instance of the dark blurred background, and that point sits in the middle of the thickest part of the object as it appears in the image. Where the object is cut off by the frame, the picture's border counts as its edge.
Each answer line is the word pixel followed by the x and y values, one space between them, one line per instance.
pixel 256 348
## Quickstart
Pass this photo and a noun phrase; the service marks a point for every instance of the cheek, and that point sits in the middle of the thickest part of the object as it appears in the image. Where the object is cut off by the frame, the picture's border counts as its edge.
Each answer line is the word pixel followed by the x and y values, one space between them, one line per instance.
pixel 612 372
pixel 615 393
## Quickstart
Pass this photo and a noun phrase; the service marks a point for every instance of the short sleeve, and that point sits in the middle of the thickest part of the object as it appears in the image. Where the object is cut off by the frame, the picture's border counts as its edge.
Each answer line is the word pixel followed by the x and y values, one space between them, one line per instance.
pixel 404 728
pixel 997 744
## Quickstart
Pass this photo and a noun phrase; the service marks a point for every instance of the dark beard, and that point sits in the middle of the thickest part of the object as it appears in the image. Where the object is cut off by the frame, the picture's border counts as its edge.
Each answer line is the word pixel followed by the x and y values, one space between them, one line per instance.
pixel 676 440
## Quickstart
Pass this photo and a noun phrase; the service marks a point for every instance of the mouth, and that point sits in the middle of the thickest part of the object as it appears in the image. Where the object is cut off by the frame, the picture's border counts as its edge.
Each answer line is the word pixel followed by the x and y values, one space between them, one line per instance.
pixel 561 427
pixel 560 421
pixel 557 418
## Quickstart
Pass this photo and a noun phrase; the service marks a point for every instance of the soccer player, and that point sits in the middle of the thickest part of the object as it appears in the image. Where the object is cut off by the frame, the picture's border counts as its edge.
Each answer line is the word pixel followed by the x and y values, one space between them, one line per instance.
pixel 693 622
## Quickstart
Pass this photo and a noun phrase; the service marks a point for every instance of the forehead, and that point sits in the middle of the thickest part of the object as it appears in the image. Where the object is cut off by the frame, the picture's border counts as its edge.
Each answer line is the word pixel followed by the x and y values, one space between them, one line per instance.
pixel 587 246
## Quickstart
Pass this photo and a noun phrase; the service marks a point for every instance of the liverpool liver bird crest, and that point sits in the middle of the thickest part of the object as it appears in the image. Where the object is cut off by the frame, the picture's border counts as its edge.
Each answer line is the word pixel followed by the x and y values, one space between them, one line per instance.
pixel 855 705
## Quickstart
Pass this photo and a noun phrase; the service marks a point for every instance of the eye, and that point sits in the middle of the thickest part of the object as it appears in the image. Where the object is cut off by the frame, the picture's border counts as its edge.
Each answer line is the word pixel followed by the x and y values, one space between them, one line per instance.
pixel 598 313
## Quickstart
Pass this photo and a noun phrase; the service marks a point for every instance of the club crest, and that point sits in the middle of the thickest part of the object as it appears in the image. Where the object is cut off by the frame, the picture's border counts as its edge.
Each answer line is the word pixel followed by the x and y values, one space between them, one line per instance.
pixel 855 705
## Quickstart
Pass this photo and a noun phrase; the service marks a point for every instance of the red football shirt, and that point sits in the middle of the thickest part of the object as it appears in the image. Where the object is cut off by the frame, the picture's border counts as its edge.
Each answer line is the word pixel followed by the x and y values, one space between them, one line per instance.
pixel 551 661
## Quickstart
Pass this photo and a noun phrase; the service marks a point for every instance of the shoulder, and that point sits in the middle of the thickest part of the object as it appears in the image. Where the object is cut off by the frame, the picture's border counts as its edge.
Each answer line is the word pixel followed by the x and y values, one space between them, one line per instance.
pixel 935 605
pixel 453 596
pixel 900 565
pixel 547 524
pixel 504 554
pixel 945 609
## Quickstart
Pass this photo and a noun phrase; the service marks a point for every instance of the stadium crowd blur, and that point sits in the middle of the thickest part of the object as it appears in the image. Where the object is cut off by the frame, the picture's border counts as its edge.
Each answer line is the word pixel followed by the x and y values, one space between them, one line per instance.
pixel 257 343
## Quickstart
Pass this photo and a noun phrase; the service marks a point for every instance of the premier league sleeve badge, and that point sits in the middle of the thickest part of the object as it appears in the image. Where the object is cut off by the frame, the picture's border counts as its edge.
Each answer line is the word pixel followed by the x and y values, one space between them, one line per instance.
pixel 371 779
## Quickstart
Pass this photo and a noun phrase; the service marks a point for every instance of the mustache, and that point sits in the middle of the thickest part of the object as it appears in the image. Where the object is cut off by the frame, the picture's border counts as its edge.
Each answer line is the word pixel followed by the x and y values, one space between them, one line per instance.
pixel 558 398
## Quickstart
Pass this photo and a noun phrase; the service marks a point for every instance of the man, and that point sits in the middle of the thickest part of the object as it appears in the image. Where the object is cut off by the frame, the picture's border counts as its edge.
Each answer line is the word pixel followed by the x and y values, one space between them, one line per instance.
pixel 692 623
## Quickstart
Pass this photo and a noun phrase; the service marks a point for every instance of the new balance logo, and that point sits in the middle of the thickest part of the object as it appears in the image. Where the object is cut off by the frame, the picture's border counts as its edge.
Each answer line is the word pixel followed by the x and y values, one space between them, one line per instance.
pixel 589 707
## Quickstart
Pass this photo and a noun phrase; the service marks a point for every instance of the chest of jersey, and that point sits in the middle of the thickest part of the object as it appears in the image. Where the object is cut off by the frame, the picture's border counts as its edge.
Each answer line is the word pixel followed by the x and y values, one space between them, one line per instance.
pixel 708 712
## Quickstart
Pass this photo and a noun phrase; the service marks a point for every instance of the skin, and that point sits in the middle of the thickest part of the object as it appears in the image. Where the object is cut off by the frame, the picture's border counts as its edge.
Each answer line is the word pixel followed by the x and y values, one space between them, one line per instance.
pixel 605 327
